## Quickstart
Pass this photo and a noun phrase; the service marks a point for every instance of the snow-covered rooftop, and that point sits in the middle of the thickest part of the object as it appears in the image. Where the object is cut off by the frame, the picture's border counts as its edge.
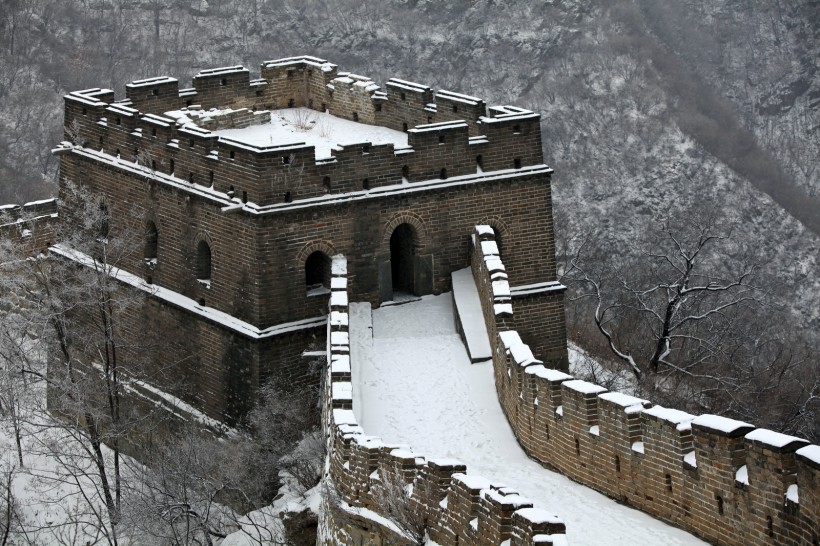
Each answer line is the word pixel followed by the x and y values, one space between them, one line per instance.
pixel 320 130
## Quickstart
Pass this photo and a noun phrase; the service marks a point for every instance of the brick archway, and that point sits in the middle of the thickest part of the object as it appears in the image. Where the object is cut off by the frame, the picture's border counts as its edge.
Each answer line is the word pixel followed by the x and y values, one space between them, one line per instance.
pixel 315 261
pixel 405 268
pixel 311 247
pixel 405 217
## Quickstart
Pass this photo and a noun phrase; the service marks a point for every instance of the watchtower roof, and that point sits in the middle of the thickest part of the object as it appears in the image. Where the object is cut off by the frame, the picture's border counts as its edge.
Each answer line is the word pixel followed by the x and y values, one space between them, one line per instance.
pixel 319 129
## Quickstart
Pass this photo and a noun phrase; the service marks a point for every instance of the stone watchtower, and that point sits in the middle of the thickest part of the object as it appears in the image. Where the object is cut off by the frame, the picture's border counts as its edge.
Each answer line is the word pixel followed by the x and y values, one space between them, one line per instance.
pixel 249 186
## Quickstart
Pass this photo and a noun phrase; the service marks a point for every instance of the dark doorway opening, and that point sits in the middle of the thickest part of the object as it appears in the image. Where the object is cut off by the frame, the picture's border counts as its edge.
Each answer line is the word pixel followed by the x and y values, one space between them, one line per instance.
pixel 317 273
pixel 203 262
pixel 151 242
pixel 402 254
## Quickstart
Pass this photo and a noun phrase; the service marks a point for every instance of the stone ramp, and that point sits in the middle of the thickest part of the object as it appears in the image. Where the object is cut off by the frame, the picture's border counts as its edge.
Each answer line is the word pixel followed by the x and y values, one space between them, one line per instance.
pixel 469 317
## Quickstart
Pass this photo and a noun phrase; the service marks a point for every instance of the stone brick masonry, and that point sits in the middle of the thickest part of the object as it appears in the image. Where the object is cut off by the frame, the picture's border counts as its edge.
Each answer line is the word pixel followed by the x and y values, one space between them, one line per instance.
pixel 239 237
pixel 452 507
pixel 237 266
pixel 718 478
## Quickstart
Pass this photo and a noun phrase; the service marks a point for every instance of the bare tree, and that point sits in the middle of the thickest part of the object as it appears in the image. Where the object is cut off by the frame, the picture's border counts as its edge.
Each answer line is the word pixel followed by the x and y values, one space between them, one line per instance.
pixel 197 489
pixel 75 311
pixel 393 496
pixel 685 317
pixel 9 516
pixel 679 309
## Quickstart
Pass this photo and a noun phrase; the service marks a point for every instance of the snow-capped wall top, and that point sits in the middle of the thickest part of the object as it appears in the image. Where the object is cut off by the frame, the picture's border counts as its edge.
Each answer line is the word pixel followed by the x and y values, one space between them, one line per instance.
pixel 774 439
pixel 722 424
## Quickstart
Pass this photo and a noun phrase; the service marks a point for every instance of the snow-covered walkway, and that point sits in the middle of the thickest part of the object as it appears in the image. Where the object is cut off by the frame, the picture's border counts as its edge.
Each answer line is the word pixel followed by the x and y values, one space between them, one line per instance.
pixel 414 384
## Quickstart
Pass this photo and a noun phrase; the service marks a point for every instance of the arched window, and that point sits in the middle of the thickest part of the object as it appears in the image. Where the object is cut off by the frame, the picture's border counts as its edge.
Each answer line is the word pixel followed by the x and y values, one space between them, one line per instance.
pixel 151 239
pixel 317 273
pixel 203 263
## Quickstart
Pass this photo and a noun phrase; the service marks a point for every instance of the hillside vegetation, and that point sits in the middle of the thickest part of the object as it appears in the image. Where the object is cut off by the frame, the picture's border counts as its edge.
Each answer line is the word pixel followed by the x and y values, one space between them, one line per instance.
pixel 651 109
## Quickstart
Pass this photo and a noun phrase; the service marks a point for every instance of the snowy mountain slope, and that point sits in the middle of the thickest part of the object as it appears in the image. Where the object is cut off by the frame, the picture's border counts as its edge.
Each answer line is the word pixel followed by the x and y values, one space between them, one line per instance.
pixel 617 82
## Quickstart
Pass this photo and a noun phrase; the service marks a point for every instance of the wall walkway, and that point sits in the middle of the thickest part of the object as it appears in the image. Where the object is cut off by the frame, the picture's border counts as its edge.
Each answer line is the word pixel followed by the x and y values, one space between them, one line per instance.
pixel 436 496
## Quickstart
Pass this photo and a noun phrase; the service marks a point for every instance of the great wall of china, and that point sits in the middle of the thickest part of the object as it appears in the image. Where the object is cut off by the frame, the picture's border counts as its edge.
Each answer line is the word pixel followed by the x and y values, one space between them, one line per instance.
pixel 264 212
pixel 721 479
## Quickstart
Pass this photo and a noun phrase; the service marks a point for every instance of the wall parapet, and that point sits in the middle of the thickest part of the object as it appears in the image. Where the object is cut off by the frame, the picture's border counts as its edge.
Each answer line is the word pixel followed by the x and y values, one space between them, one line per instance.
pixel 167 128
pixel 721 479
pixel 31 224
pixel 379 491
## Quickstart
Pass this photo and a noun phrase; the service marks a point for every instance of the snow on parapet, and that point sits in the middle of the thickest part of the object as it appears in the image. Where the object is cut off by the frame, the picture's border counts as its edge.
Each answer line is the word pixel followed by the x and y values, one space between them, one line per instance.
pixel 458 97
pixel 472 481
pixel 810 453
pixel 338 266
pixel 680 419
pixel 455 119
pixel 150 82
pixel 358 463
pixel 354 83
pixel 522 355
pixel 407 85
pixel 122 110
pixel 722 424
pixel 221 71
pixel 509 338
pixel 160 121
pixel 584 387
pixel 623 400
pixel 489 248
pixel 430 127
pixel 549 374
pixel 506 114
pixel 89 97
pixel 306 60
pixel 774 439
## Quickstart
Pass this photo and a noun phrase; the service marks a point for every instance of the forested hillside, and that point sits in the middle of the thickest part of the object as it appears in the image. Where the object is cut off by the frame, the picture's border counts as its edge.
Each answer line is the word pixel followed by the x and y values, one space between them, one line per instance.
pixel 655 113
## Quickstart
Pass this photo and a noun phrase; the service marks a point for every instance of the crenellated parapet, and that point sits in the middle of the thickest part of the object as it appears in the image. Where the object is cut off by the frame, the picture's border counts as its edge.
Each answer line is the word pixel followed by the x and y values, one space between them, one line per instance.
pixel 32 224
pixel 172 131
pixel 722 479
pixel 386 493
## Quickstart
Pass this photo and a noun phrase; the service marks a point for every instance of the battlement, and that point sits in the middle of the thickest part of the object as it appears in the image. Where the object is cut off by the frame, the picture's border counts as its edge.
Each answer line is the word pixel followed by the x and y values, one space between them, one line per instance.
pixel 722 479
pixel 438 135
pixel 32 224
pixel 453 507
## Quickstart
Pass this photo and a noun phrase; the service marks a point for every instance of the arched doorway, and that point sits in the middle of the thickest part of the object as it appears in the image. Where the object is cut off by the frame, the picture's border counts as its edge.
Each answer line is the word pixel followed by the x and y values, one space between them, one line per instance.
pixel 402 259
pixel 317 273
